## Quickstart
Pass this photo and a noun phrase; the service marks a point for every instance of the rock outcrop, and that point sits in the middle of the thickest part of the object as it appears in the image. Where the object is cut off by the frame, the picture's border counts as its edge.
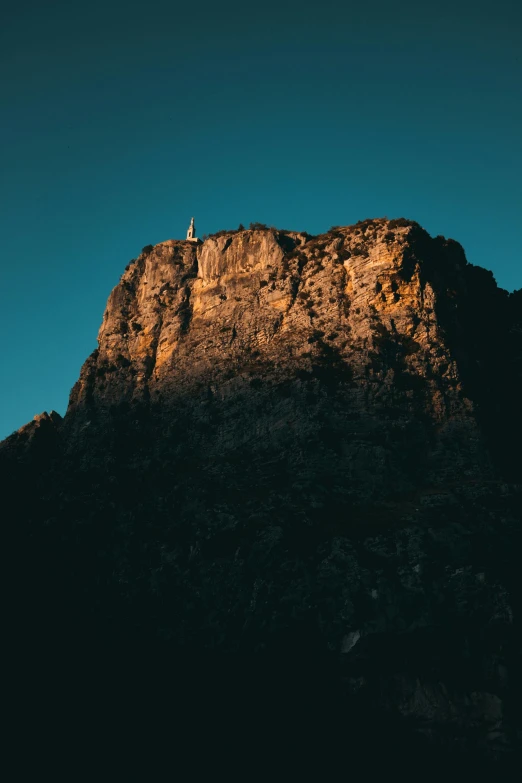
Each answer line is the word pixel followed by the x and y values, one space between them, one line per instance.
pixel 300 449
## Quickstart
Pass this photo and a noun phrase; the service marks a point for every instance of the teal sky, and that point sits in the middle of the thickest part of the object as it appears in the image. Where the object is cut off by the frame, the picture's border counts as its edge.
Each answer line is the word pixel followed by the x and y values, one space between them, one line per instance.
pixel 121 120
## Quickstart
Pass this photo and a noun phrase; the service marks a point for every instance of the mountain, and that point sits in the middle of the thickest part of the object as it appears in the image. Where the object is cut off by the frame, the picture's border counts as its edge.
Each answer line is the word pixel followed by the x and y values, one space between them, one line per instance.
pixel 292 467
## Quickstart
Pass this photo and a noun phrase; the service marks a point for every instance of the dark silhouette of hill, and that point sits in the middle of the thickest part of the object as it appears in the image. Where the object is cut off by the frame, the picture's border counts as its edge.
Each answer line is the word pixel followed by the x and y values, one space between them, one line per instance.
pixel 282 513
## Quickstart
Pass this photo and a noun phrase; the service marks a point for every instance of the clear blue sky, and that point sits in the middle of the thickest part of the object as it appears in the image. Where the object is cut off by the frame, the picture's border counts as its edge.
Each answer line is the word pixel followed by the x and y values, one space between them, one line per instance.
pixel 121 120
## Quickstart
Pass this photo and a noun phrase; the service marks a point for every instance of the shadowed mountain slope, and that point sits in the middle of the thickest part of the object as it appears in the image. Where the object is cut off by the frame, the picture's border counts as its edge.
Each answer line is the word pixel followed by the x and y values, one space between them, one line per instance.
pixel 292 465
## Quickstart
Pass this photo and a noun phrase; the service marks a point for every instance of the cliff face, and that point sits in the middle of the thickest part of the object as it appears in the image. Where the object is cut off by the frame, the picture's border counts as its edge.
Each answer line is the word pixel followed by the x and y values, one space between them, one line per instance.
pixel 298 446
pixel 362 339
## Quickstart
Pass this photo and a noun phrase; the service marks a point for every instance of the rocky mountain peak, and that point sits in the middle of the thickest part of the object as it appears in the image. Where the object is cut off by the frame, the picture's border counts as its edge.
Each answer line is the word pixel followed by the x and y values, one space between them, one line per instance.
pixel 300 453
pixel 264 287
pixel 379 313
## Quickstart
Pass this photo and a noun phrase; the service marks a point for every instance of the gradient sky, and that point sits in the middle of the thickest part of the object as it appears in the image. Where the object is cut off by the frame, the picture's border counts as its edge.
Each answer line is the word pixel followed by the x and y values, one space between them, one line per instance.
pixel 121 120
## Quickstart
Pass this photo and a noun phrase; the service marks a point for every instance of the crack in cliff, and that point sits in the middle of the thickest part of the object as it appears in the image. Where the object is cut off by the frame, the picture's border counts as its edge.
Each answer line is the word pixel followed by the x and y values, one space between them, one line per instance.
pixel 150 362
pixel 185 311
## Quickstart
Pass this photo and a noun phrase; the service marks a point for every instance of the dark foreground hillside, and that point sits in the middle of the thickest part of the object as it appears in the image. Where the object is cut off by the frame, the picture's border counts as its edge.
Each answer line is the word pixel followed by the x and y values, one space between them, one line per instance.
pixel 282 515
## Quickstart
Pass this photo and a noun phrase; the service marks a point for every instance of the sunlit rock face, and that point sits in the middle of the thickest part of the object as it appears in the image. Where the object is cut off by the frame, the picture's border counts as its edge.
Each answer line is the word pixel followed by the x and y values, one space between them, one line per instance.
pixel 301 449
pixel 352 338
